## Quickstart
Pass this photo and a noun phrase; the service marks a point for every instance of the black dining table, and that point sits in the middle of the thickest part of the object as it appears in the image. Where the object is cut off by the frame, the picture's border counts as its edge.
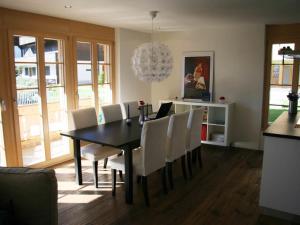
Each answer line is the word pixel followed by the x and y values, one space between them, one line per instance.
pixel 118 134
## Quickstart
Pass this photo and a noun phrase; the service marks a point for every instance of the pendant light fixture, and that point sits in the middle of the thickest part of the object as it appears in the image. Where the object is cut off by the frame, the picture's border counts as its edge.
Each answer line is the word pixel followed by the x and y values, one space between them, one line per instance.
pixel 152 61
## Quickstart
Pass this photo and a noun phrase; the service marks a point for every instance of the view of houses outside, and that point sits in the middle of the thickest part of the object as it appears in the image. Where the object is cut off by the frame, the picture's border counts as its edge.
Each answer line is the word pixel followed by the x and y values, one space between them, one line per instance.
pixel 84 76
pixel 281 82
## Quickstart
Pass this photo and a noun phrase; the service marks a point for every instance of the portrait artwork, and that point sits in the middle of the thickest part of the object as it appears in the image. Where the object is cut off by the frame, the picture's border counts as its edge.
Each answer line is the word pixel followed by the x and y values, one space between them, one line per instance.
pixel 198 76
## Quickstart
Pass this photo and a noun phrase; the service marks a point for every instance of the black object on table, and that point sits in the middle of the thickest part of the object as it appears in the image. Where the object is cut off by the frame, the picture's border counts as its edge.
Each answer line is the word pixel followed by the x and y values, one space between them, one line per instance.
pixel 116 134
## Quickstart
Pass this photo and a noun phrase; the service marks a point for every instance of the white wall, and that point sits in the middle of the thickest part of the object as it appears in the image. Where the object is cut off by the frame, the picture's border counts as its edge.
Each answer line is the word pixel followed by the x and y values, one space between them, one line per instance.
pixel 239 70
pixel 128 86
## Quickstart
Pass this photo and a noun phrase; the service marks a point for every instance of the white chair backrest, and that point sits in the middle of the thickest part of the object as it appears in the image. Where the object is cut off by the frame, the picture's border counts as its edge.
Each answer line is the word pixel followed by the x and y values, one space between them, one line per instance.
pixel 153 143
pixel 194 128
pixel 133 109
pixel 176 139
pixel 83 118
pixel 112 113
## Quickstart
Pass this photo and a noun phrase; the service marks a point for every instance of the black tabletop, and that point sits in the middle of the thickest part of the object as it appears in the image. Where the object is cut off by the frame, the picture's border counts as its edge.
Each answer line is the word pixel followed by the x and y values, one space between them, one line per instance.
pixel 116 134
pixel 284 127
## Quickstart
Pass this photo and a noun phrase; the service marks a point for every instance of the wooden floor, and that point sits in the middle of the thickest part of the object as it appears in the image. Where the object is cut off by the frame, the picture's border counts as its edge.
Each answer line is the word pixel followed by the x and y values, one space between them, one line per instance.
pixel 225 192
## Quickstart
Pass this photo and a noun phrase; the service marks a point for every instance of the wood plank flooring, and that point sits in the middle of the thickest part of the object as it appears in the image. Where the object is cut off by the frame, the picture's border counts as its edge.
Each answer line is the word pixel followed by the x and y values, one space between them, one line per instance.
pixel 225 191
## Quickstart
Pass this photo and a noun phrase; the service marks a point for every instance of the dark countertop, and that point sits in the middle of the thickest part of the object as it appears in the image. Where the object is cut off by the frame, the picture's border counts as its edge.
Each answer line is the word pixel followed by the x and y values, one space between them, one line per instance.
pixel 284 127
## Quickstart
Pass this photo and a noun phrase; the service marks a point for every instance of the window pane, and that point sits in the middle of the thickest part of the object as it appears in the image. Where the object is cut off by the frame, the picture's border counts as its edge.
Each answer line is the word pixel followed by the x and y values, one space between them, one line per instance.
pixel 31 129
pixel 281 74
pixel 100 51
pixel 103 53
pixel 84 73
pixel 278 102
pixel 278 95
pixel 103 74
pixel 277 59
pixel 287 75
pixel 275 112
pixel 86 96
pixel 25 49
pixel 83 52
pixel 275 71
pixel 53 51
pixel 105 94
pixel 26 75
pixel 54 74
pixel 57 119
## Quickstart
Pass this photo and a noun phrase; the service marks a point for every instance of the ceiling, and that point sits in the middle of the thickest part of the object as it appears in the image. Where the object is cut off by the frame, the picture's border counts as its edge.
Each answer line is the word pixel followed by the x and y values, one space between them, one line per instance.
pixel 175 15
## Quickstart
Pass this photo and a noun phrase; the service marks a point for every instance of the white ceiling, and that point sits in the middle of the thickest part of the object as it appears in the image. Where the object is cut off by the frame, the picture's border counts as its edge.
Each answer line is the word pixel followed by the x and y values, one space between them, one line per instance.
pixel 174 14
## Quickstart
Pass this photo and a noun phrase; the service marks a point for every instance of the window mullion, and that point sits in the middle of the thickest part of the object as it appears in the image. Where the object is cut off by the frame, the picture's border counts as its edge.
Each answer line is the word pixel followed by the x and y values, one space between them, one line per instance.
pixel 95 75
pixel 43 95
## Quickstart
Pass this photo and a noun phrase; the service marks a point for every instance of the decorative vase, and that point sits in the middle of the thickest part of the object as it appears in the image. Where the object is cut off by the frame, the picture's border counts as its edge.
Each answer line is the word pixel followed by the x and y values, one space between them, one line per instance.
pixel 142 116
pixel 128 119
pixel 293 102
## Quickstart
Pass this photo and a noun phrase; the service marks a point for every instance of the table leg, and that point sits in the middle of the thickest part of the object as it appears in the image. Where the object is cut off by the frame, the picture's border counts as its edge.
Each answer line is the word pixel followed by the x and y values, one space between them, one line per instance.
pixel 77 160
pixel 128 176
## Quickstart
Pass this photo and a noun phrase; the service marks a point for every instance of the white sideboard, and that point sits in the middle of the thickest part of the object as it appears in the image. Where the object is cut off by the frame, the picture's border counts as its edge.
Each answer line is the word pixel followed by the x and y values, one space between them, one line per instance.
pixel 217 120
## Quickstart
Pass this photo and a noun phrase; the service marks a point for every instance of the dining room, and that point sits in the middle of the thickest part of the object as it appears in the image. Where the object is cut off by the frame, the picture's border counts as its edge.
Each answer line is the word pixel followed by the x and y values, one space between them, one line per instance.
pixel 133 112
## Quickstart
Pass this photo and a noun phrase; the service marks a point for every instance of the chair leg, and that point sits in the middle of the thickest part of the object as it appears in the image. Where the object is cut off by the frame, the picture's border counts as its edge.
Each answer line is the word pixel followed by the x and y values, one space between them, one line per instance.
pixel 183 166
pixel 164 180
pixel 199 153
pixel 145 190
pixel 170 174
pixel 113 181
pixel 121 174
pixel 95 168
pixel 105 163
pixel 189 162
pixel 138 179
pixel 194 155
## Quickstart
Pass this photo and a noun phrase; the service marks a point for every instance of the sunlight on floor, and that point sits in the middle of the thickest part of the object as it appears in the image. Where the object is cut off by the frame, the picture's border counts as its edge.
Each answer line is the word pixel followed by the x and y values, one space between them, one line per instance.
pixel 79 198
pixel 71 193
pixel 63 170
pixel 67 186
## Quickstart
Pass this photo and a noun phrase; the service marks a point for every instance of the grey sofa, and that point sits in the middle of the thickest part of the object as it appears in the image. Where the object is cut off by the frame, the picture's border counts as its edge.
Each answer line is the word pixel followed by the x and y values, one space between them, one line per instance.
pixel 31 193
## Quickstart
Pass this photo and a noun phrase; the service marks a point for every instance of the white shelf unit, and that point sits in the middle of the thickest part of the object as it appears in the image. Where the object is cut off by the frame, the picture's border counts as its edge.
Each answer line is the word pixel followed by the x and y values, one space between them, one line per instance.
pixel 217 120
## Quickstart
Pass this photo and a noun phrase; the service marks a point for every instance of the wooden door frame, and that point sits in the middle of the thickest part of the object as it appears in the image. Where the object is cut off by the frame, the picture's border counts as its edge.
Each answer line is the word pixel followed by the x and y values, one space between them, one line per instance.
pixel 276 34
pixel 40 36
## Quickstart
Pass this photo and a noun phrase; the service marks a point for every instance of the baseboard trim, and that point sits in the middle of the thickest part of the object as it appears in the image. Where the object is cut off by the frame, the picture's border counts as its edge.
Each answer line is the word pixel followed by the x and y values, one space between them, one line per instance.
pixel 279 214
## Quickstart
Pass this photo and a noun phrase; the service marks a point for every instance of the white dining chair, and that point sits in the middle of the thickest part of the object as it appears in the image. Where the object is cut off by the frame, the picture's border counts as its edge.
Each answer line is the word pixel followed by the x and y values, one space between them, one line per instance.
pixel 112 113
pixel 176 143
pixel 149 157
pixel 83 118
pixel 193 143
pixel 133 109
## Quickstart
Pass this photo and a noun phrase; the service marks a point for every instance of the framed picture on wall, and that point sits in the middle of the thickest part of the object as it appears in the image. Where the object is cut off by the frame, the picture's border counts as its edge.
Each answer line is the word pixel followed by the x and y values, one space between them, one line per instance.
pixel 198 71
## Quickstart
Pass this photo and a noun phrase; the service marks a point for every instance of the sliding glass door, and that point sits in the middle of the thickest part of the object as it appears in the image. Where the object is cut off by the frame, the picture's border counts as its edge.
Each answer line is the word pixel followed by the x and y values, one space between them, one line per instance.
pixel 40 99
pixel 56 98
pixel 28 102
pixel 281 79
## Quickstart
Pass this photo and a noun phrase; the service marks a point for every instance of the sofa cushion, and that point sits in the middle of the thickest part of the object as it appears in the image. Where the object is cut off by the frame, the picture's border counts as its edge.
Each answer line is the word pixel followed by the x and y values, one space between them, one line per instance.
pixel 33 193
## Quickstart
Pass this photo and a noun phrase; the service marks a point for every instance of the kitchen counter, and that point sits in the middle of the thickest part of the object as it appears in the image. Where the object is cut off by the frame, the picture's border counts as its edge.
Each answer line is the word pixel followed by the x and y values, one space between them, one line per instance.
pixel 284 126
pixel 280 184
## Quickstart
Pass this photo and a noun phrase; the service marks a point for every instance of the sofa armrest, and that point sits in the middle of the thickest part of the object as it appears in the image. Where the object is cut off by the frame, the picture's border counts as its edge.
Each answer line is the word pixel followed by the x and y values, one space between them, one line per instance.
pixel 33 193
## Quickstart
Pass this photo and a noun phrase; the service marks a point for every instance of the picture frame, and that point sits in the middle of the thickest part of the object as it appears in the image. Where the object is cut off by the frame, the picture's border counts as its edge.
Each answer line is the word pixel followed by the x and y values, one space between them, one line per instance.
pixel 198 76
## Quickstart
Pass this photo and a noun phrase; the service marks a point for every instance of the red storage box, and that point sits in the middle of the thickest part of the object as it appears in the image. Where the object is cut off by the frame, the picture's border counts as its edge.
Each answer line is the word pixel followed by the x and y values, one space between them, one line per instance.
pixel 204 132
